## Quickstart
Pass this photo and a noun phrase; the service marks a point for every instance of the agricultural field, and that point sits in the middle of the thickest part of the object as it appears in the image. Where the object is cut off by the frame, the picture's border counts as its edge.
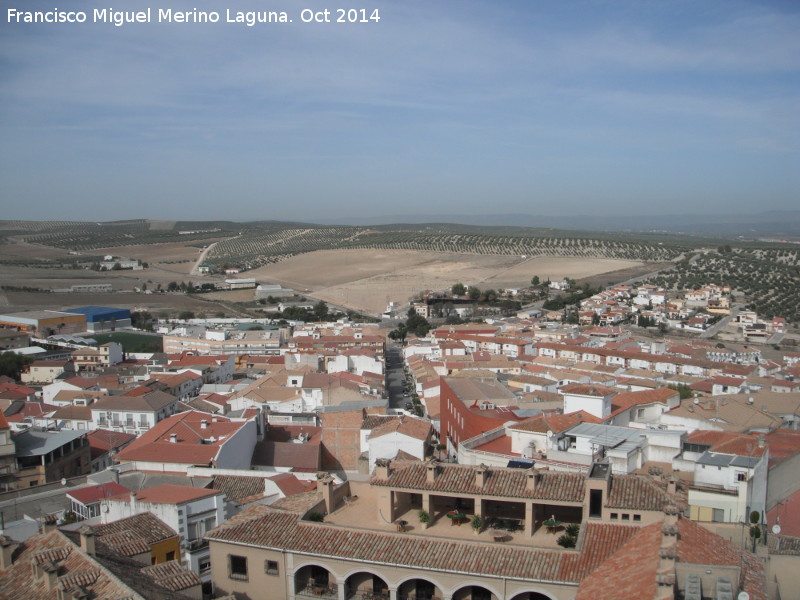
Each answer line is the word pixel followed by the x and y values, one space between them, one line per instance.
pixel 131 342
pixel 257 248
pixel 83 236
pixel 769 277
pixel 358 267
pixel 366 280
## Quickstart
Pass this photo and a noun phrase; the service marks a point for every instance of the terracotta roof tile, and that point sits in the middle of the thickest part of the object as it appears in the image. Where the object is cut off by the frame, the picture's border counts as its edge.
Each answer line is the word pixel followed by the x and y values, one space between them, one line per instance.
pixel 172 576
pixel 144 525
pixel 499 482
pixel 271 528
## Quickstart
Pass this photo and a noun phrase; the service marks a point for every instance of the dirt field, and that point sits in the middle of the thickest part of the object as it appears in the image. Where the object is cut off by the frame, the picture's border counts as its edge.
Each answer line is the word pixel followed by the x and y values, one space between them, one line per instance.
pixel 367 280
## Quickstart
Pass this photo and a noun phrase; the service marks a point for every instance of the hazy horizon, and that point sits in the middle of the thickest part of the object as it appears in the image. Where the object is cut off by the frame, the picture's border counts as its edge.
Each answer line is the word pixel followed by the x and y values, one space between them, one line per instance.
pixel 462 108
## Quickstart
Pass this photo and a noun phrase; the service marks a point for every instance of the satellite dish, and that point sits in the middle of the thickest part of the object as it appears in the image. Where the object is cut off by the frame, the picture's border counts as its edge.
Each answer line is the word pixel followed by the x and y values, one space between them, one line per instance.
pixel 743 596
pixel 776 529
pixel 549 433
pixel 63 481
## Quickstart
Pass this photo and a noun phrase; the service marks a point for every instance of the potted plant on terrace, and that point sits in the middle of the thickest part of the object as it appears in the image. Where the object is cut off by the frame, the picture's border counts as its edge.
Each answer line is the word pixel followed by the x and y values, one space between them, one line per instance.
pixel 476 524
pixel 424 518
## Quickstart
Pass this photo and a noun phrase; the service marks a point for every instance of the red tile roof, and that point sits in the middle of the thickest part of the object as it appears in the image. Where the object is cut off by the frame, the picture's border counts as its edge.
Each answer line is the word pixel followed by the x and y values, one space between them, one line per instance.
pixel 633 569
pixel 555 422
pixel 167 493
pixel 270 528
pixel 20 581
pixel 192 445
pixel 95 493
pixel 512 483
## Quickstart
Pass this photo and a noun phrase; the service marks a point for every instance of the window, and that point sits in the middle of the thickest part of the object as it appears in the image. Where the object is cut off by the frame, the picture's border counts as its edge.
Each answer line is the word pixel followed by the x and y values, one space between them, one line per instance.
pixel 614 516
pixel 741 476
pixel 637 517
pixel 204 564
pixel 271 567
pixel 170 555
pixel 718 515
pixel 640 413
pixel 626 517
pixel 237 567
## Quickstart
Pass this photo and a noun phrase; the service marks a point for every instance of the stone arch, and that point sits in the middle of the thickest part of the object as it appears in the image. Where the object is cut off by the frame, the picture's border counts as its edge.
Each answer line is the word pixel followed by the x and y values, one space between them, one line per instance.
pixel 315 576
pixel 365 580
pixel 463 591
pixel 423 587
pixel 532 595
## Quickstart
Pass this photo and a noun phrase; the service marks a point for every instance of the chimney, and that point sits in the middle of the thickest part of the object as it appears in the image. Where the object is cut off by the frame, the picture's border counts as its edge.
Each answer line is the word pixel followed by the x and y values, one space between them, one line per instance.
pixel 203 424
pixel 7 547
pixel 672 485
pixel 669 535
pixel 382 469
pixel 49 571
pixel 87 539
pixel 666 586
pixel 133 503
pixel 533 479
pixel 173 437
pixel 325 485
pixel 431 467
pixel 481 473
pixel 762 441
pixel 115 475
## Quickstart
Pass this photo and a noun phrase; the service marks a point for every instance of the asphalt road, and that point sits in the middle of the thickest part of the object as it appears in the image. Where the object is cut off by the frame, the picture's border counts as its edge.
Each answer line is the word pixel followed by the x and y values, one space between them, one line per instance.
pixel 395 377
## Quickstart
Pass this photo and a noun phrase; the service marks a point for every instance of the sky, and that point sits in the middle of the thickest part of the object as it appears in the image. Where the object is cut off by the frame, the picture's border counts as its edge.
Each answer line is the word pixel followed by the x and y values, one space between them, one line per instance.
pixel 459 107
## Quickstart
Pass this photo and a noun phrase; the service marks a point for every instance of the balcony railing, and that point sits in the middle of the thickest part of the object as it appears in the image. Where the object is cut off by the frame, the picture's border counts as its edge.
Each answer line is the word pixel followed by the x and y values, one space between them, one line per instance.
pixel 319 591
pixel 366 595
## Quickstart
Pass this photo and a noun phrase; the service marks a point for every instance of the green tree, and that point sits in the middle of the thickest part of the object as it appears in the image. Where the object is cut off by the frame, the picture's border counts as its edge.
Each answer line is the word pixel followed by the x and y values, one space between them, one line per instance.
pixel 321 310
pixel 418 325
pixel 535 280
pixel 474 293
pixel 458 289
pixel 11 364
pixel 399 333
pixel 185 315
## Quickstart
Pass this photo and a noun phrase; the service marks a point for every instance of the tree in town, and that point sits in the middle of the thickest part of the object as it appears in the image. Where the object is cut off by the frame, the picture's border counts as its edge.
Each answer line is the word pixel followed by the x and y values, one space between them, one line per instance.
pixel 399 333
pixel 11 364
pixel 458 289
pixel 321 310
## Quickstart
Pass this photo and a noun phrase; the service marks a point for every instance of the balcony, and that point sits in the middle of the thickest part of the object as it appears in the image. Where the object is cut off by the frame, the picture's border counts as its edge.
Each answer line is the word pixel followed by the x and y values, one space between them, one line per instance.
pixel 196 544
pixel 314 590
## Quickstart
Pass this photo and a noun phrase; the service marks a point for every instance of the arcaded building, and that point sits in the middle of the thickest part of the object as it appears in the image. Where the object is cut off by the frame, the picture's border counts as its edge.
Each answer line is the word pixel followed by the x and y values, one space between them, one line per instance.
pixel 408 535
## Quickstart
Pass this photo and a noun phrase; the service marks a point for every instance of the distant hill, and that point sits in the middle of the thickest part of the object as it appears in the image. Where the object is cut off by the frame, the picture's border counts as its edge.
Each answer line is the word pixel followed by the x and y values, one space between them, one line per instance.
pixel 778 224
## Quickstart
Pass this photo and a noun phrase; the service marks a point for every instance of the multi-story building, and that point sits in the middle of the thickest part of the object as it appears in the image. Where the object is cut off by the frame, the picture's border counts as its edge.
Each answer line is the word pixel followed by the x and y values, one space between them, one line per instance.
pixel 44 456
pixel 7 451
pixel 193 438
pixel 400 537
pixel 133 413
pixel 190 511
pixel 225 342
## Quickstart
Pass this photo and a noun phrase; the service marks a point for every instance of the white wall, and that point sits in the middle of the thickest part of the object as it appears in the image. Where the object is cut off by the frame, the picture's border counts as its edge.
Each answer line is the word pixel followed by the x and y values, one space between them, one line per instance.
pixel 387 446
pixel 237 451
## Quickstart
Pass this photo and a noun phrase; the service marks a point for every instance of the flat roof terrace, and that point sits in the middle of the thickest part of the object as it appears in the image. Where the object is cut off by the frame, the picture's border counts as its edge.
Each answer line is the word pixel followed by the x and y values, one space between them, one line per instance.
pixel 505 526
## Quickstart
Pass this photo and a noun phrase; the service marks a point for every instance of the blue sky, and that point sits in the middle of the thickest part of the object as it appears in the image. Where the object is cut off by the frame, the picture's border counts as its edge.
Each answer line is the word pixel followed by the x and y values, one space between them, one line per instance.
pixel 443 107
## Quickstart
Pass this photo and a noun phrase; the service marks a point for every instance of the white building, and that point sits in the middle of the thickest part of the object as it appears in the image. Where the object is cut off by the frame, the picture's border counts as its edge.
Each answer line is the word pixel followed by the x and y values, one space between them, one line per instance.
pixel 189 511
